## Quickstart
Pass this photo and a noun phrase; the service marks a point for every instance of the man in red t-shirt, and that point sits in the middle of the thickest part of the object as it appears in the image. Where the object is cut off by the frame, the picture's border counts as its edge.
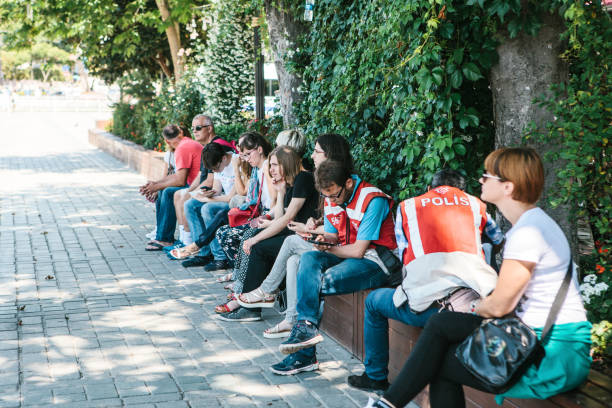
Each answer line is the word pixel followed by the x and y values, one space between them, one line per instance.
pixel 187 153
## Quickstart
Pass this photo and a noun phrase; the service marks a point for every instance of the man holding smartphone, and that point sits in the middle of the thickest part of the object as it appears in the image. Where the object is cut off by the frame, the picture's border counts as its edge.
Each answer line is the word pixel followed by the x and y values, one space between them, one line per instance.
pixel 357 216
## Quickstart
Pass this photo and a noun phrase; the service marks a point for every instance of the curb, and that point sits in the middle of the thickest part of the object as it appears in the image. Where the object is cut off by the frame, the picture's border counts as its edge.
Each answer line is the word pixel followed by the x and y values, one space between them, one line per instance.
pixel 149 163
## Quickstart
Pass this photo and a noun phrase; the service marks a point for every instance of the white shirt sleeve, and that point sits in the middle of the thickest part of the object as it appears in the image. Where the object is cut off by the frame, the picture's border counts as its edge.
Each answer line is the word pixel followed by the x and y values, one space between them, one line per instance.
pixel 525 243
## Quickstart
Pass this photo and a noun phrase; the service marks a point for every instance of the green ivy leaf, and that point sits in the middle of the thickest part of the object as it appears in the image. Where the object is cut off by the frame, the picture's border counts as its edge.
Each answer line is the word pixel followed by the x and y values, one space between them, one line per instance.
pixel 456 79
pixel 460 149
pixel 471 72
pixel 437 74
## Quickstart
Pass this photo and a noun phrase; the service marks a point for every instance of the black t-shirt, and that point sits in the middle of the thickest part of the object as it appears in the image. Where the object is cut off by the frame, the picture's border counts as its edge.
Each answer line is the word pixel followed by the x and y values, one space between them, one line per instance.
pixel 304 187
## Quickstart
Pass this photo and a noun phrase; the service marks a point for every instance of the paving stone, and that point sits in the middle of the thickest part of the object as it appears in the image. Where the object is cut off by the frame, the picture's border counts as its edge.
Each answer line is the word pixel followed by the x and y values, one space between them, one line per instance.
pixel 100 391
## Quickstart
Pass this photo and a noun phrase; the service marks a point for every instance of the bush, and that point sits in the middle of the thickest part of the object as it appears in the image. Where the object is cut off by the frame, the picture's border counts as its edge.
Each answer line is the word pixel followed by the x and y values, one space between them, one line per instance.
pixel 127 122
pixel 228 60
pixel 143 121
pixel 230 132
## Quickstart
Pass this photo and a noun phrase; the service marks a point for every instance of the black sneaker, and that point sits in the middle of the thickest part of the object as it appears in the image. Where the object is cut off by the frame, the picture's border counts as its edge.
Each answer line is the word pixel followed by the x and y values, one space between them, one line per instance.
pixel 197 261
pixel 303 335
pixel 240 315
pixel 293 365
pixel 363 382
pixel 217 266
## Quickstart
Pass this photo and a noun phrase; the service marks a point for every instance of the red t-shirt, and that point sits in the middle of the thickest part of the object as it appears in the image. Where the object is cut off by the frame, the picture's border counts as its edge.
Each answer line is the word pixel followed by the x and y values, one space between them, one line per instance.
pixel 188 155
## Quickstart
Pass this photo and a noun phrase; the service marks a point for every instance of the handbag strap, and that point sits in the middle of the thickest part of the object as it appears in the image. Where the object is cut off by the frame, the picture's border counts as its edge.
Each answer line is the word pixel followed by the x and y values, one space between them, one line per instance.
pixel 258 203
pixel 558 302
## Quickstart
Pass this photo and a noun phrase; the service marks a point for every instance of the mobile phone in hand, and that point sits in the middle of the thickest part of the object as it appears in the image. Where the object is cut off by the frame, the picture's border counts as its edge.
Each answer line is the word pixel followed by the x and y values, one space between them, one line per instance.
pixel 205 188
pixel 322 243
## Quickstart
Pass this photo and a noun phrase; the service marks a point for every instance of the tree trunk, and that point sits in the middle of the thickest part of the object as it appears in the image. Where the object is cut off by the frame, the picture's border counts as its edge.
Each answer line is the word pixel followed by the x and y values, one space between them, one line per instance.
pixel 174 39
pixel 527 67
pixel 284 29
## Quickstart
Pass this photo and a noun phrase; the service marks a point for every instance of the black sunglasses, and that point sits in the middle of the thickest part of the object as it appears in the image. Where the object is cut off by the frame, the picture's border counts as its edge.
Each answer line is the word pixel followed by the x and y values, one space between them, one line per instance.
pixel 199 127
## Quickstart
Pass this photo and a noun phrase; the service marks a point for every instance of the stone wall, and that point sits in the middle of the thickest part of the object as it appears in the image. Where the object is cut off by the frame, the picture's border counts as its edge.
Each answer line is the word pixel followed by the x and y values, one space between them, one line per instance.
pixel 149 163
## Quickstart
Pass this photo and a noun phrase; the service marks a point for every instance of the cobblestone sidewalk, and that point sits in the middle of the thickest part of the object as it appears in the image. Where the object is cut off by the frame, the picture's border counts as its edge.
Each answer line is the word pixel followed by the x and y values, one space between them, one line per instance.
pixel 89 319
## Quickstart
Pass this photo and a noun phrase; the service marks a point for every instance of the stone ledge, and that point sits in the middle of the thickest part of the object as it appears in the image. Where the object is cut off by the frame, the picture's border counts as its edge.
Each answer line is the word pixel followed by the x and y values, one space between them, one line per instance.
pixel 149 163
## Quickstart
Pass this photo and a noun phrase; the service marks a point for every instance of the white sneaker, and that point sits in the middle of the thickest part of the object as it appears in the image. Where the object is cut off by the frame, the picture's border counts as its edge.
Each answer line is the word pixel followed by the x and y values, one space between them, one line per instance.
pixel 152 234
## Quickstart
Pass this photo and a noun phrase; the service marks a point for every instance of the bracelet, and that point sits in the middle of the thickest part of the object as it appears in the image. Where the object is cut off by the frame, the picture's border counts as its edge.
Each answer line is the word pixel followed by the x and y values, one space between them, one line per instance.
pixel 473 306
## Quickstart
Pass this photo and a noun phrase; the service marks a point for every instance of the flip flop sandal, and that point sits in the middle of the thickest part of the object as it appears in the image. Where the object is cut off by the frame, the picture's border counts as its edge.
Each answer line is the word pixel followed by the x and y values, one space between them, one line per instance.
pixel 227 307
pixel 225 278
pixel 154 246
pixel 182 253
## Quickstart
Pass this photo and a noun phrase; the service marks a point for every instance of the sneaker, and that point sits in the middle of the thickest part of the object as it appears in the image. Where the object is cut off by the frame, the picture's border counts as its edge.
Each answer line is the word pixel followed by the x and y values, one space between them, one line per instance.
pixel 196 261
pixel 240 315
pixel 152 234
pixel 303 335
pixel 292 365
pixel 363 382
pixel 217 266
pixel 177 244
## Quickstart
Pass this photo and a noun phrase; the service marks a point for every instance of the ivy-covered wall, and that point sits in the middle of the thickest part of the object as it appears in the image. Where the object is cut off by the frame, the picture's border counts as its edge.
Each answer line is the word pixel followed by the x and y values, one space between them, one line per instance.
pixel 406 82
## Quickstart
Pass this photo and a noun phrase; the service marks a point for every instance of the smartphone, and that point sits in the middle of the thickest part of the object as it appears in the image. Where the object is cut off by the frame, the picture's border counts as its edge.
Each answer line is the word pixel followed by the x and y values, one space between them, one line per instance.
pixel 322 243
pixel 308 235
pixel 205 188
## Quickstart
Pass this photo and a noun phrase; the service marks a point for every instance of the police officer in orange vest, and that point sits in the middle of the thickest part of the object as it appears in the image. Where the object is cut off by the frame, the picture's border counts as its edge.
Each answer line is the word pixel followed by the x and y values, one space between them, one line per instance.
pixel 357 216
pixel 438 235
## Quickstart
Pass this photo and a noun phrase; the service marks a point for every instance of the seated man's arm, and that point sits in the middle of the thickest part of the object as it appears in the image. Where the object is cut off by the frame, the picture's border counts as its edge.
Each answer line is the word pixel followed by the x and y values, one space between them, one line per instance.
pixel 355 250
pixel 195 185
pixel 177 179
pixel 400 237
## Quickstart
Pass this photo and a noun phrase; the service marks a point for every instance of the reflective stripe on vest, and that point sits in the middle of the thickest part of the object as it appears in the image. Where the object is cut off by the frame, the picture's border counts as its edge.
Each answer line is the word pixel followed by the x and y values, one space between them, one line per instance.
pixel 445 219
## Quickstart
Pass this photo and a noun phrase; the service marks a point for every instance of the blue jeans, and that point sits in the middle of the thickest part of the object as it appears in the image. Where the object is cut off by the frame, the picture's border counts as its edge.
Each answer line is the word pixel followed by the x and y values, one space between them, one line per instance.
pixel 208 212
pixel 321 274
pixel 199 215
pixel 194 219
pixel 165 214
pixel 378 308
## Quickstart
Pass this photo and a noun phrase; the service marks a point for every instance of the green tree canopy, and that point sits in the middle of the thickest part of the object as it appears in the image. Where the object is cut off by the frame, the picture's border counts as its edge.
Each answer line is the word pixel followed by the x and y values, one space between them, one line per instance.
pixel 112 36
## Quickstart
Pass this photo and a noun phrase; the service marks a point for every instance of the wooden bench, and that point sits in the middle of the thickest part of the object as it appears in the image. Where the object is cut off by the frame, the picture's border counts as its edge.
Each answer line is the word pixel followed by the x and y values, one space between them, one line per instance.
pixel 343 320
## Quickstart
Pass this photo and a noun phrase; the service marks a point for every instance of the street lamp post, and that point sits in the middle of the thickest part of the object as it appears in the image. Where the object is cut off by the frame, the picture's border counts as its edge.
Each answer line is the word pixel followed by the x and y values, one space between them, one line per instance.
pixel 259 77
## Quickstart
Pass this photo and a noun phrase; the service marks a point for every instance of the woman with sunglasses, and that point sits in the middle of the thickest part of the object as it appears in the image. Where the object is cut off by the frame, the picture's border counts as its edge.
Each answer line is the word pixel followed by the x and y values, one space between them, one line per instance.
pixel 327 146
pixel 535 260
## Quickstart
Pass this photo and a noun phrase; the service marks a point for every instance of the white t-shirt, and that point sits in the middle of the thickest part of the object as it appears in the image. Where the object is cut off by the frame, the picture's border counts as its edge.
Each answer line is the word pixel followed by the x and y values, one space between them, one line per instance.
pixel 265 194
pixel 537 238
pixel 226 177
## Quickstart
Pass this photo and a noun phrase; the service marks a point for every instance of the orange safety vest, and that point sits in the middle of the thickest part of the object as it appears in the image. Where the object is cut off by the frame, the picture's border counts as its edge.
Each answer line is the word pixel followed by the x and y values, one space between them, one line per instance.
pixel 445 219
pixel 337 216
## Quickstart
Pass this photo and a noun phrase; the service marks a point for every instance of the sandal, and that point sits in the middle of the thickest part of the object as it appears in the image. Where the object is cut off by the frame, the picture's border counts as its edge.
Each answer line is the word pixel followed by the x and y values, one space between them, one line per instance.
pixel 153 246
pixel 282 329
pixel 256 298
pixel 227 307
pixel 229 286
pixel 184 252
pixel 225 278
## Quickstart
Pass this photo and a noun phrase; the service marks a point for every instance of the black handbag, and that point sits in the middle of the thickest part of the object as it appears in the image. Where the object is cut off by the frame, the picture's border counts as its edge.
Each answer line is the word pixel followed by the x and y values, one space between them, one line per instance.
pixel 392 263
pixel 499 351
